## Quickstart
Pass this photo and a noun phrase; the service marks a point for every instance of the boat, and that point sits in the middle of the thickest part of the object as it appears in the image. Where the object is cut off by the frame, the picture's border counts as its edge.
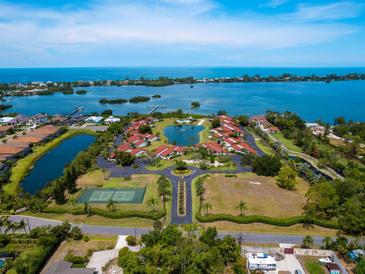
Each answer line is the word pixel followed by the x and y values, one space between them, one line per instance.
pixel 327 260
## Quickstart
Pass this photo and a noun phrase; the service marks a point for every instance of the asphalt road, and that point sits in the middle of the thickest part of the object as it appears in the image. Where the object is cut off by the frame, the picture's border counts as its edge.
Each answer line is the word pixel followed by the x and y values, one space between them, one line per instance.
pixel 93 229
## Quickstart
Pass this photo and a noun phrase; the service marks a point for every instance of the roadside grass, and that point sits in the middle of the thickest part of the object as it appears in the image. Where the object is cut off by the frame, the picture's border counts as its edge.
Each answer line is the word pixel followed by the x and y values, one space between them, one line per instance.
pixel 94 220
pixel 297 229
pixel 286 142
pixel 24 165
pixel 312 265
pixel 261 194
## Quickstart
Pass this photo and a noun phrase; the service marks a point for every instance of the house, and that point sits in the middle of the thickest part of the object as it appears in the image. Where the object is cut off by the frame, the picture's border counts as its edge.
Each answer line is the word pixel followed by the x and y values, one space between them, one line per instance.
pixel 8 151
pixel 63 267
pixel 214 148
pixel 138 152
pixel 261 122
pixel 316 128
pixel 94 119
pixel 333 268
pixel 38 119
pixel 111 120
pixel 22 120
pixel 166 152
pixel 8 121
pixel 260 261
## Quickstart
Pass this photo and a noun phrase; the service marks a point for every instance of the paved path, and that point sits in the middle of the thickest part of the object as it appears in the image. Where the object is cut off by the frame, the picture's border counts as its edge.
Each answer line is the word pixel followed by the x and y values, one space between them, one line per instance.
pixel 93 229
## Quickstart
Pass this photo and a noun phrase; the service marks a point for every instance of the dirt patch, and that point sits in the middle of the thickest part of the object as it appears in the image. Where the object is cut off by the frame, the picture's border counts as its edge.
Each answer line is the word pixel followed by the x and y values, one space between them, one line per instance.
pixel 262 195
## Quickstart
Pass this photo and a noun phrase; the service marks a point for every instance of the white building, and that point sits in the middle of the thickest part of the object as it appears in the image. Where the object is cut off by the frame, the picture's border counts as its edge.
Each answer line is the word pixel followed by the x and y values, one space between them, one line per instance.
pixel 260 261
pixel 111 120
pixel 94 119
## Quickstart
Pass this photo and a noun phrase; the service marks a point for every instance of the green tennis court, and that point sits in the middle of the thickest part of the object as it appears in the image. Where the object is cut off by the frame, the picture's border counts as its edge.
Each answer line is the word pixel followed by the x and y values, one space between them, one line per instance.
pixel 119 195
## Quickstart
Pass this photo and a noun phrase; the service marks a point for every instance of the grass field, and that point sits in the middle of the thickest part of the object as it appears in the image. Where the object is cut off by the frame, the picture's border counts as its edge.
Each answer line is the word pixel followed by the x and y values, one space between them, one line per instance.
pixel 286 142
pixel 311 265
pixel 22 166
pixel 262 195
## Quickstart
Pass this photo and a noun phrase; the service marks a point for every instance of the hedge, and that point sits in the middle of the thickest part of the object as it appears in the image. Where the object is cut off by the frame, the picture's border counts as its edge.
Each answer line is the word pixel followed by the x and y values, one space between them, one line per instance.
pixel 265 220
pixel 107 214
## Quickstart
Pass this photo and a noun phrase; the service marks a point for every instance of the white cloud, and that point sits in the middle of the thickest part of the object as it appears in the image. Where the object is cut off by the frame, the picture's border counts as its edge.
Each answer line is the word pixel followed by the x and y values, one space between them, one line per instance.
pixel 131 25
pixel 333 11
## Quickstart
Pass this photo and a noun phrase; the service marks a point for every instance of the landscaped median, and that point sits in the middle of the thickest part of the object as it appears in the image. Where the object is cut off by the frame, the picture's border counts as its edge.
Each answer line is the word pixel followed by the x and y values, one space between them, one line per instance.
pixel 242 219
pixel 22 166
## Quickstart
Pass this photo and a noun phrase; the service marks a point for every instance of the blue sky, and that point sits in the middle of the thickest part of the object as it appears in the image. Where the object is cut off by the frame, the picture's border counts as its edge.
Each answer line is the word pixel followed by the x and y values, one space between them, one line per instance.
pixel 59 33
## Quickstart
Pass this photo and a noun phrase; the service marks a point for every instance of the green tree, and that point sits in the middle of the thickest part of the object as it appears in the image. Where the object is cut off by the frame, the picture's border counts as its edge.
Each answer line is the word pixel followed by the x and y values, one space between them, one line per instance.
pixel 152 203
pixel 110 205
pixel 241 207
pixel 286 177
pixel 266 166
pixel 124 158
pixel 164 190
pixel 360 267
pixel 207 206
pixel 243 120
pixel 307 242
pixel 216 122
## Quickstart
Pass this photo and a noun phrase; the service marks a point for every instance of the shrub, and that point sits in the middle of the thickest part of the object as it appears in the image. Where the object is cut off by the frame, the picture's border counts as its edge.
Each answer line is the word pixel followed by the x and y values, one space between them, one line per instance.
pixel 76 233
pixel 131 240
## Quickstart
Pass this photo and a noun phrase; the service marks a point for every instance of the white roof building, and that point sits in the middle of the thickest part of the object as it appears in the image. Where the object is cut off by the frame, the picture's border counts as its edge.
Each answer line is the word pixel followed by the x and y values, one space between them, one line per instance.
pixel 5 120
pixel 111 120
pixel 94 119
pixel 260 261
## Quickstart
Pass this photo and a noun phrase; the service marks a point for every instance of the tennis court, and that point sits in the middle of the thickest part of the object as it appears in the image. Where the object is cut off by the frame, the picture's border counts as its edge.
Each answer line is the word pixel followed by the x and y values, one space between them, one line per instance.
pixel 119 195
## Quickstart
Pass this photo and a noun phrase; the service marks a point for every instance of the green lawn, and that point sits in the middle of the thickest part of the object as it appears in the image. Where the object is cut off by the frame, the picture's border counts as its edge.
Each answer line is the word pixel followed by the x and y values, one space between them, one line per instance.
pixel 286 142
pixel 22 166
pixel 313 266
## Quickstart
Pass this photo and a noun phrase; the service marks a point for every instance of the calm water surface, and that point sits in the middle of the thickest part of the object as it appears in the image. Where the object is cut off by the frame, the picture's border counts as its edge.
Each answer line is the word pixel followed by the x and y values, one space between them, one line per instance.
pixel 184 135
pixel 50 165
pixel 311 100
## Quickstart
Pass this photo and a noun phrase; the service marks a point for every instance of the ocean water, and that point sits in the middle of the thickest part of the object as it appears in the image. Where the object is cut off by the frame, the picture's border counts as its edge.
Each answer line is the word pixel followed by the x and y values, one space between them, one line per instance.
pixel 311 100
pixel 113 73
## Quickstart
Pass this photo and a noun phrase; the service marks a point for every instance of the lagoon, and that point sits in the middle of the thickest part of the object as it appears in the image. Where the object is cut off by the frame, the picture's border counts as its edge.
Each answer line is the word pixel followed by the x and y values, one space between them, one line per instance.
pixel 183 135
pixel 311 100
pixel 50 165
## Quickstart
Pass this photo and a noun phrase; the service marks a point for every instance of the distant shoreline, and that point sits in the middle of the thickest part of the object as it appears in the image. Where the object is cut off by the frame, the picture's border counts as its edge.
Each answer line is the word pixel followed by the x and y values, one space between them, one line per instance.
pixel 49 87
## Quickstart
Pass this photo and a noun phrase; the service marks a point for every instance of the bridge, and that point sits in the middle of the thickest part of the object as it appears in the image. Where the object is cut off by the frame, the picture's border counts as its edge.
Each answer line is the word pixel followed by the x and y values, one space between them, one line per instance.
pixel 154 108
pixel 75 111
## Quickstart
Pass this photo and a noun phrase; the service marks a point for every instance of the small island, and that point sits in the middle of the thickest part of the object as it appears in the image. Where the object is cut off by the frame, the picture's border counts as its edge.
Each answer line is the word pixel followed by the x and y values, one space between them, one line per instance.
pixel 139 99
pixel 81 91
pixel 195 105
pixel 113 101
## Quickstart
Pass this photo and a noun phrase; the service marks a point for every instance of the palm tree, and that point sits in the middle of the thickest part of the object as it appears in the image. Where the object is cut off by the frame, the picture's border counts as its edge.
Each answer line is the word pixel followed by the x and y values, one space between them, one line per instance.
pixel 22 225
pixel 152 203
pixel 207 206
pixel 241 207
pixel 12 226
pixel 110 205
pixel 5 223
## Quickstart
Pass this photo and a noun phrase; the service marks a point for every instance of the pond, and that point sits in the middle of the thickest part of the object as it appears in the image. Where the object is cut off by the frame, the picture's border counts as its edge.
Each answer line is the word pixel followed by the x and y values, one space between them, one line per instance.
pixel 50 165
pixel 183 135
